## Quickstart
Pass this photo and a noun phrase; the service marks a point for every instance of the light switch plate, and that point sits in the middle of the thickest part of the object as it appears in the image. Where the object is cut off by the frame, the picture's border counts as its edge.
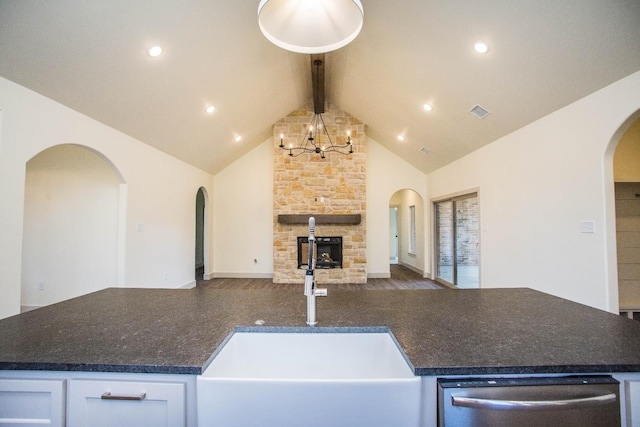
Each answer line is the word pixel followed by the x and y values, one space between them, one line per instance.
pixel 587 226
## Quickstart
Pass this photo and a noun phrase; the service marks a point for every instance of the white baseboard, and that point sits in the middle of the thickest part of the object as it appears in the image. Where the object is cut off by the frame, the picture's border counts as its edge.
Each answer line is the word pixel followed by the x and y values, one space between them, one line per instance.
pixel 413 268
pixel 426 275
pixel 25 308
pixel 188 285
pixel 207 276
pixel 378 275
pixel 241 276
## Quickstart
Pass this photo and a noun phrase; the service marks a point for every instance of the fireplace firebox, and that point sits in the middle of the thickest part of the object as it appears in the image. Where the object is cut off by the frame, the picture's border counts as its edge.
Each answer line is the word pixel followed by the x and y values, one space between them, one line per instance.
pixel 327 253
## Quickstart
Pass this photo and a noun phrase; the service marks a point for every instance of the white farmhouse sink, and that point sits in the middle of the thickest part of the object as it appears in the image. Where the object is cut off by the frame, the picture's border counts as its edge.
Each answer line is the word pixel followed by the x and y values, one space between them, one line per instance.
pixel 309 379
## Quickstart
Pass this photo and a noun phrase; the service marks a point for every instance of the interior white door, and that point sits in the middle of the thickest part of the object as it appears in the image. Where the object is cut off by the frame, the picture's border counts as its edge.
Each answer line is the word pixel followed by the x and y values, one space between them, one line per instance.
pixel 393 235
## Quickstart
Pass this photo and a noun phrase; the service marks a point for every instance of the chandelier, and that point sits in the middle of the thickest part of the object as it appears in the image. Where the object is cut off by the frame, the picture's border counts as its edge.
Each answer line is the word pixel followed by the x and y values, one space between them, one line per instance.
pixel 310 26
pixel 315 144
pixel 321 142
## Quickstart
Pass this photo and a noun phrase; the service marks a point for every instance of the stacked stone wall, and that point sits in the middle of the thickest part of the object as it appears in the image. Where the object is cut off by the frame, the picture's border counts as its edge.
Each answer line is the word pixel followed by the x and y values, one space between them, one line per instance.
pixel 308 184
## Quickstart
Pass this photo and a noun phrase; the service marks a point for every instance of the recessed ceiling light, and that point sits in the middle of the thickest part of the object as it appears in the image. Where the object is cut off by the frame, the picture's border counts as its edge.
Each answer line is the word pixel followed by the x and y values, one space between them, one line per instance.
pixel 155 51
pixel 400 137
pixel 210 109
pixel 427 107
pixel 481 47
pixel 238 138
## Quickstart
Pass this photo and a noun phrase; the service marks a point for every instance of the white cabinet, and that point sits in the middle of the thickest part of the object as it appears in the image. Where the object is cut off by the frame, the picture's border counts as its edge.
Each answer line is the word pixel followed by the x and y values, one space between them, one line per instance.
pixel 102 403
pixel 630 398
pixel 32 402
pixel 633 403
pixel 96 399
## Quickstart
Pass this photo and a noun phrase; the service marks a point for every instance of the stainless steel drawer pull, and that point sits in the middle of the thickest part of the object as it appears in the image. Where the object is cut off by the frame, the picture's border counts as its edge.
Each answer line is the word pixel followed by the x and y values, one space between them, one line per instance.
pixel 476 402
pixel 108 396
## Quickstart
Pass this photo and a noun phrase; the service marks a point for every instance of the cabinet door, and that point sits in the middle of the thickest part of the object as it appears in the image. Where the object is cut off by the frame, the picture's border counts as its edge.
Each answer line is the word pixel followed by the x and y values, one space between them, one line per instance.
pixel 633 403
pixel 31 402
pixel 101 403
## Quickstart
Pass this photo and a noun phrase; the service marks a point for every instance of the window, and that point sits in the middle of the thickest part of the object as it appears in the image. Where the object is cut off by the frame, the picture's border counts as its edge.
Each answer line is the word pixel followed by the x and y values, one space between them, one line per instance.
pixel 412 229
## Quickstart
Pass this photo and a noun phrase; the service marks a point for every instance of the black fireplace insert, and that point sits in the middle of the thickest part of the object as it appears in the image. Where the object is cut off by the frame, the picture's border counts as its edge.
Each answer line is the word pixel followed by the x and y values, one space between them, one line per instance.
pixel 327 253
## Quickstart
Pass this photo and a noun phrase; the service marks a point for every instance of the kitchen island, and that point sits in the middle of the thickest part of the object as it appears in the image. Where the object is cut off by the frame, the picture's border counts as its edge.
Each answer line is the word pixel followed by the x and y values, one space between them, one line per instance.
pixel 442 332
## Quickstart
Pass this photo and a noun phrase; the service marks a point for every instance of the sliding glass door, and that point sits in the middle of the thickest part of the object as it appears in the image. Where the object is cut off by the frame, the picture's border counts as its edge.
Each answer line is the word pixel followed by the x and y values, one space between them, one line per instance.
pixel 457 241
pixel 444 241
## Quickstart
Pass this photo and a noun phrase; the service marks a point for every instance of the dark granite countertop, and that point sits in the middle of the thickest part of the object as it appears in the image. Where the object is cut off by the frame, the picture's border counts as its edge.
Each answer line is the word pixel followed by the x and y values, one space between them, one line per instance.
pixel 442 332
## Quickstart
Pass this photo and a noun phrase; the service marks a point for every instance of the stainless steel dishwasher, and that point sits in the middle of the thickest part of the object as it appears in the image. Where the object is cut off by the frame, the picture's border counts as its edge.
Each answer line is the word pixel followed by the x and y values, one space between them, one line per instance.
pixel 522 402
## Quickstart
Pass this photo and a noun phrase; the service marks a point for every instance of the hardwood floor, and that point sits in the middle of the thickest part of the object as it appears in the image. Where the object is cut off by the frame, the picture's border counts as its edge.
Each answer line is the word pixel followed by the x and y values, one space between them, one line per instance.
pixel 401 278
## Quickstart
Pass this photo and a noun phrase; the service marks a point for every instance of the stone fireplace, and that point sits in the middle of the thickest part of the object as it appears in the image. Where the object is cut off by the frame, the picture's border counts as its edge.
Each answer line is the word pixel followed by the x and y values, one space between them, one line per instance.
pixel 333 190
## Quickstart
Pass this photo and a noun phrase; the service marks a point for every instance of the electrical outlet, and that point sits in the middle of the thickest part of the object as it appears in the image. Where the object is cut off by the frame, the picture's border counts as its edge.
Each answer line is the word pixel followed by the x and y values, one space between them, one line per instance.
pixel 41 286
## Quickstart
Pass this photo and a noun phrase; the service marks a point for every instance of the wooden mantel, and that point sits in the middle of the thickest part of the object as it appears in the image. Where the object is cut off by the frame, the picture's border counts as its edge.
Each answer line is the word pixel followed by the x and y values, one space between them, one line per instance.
pixel 300 219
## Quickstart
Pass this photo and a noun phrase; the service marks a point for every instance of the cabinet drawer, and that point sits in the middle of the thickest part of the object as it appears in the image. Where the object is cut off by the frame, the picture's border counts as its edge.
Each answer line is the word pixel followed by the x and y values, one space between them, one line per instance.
pixel 27 402
pixel 101 403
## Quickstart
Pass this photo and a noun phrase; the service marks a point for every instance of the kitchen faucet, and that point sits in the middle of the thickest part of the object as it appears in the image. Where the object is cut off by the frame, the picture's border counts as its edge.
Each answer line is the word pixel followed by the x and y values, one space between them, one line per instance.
pixel 310 289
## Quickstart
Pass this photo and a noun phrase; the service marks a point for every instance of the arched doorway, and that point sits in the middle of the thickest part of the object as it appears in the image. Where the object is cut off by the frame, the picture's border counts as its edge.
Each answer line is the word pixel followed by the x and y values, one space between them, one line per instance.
pixel 406 230
pixel 626 178
pixel 71 225
pixel 201 225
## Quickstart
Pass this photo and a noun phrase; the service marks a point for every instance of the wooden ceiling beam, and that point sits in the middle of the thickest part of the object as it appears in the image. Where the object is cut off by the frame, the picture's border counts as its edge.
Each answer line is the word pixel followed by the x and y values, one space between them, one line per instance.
pixel 317 81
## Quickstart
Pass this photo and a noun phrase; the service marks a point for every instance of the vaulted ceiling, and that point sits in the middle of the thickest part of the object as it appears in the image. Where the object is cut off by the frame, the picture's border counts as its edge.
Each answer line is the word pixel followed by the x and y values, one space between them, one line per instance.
pixel 91 55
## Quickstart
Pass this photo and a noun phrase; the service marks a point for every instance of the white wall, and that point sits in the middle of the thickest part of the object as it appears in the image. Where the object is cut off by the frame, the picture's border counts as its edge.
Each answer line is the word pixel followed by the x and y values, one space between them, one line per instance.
pixel 159 193
pixel 243 212
pixel 70 239
pixel 404 199
pixel 243 216
pixel 387 174
pixel 535 187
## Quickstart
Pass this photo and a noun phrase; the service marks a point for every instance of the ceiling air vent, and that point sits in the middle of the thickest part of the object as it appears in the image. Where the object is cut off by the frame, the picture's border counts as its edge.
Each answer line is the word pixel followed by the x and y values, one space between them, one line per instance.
pixel 425 151
pixel 479 112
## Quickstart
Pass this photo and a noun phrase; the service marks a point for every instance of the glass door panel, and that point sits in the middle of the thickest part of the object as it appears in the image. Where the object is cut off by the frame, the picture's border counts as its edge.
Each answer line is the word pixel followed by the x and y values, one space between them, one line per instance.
pixel 444 246
pixel 457 241
pixel 466 243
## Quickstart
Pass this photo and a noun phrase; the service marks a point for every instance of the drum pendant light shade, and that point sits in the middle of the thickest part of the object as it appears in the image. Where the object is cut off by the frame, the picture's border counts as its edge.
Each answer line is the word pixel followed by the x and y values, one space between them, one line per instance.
pixel 310 26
